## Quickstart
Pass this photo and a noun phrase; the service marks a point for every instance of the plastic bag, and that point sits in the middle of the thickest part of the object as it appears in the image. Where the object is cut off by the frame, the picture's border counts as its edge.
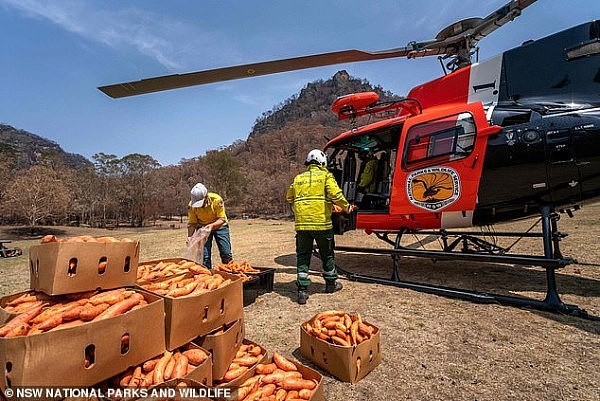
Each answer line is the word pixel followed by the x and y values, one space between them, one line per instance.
pixel 195 247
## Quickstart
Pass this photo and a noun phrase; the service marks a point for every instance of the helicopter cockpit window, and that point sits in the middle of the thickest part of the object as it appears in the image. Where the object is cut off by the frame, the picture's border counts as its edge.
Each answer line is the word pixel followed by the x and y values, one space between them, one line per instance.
pixel 446 139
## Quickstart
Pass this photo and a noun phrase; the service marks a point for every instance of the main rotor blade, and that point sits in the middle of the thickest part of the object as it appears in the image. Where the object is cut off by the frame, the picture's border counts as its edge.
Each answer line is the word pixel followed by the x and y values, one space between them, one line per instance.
pixel 245 71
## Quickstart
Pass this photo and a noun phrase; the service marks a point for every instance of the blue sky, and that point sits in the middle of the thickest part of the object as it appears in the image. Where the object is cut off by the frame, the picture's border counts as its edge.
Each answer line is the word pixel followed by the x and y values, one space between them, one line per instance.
pixel 55 54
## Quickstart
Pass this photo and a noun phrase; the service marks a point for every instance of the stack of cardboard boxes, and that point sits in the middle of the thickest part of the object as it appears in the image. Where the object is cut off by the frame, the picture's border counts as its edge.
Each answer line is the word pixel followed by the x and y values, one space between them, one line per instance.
pixel 97 352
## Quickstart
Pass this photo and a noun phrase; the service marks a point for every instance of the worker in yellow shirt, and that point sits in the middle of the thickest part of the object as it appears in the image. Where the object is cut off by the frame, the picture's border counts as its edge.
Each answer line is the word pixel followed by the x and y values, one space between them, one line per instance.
pixel 206 209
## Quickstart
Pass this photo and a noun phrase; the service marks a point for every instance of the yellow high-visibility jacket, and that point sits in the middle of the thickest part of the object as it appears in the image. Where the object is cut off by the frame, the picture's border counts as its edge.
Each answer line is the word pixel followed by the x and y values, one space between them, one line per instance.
pixel 367 178
pixel 313 194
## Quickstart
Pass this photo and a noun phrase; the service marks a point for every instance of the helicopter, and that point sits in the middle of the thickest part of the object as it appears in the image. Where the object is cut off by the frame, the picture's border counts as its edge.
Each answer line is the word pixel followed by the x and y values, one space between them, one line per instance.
pixel 513 136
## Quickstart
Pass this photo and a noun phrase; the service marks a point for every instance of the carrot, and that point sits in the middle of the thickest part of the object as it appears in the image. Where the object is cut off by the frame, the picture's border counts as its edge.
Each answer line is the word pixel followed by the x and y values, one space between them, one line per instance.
pixel 109 297
pixel 280 395
pixel 23 318
pixel 254 395
pixel 61 326
pixel 148 379
pixel 137 377
pixel 347 321
pixel 185 290
pixel 160 367
pixel 125 380
pixel 47 312
pixel 72 313
pixel 18 331
pixel 365 330
pixel 120 307
pixel 292 395
pixel 297 384
pixel 305 393
pixel 168 373
pixel 354 332
pixel 246 361
pixel 149 365
pixel 283 363
pixel 265 369
pixel 180 367
pixel 280 375
pixel 268 390
pixel 195 356
pixel 341 334
pixel 255 351
pixel 23 299
pixel 234 373
pixel 102 267
pixel 89 312
pixel 340 341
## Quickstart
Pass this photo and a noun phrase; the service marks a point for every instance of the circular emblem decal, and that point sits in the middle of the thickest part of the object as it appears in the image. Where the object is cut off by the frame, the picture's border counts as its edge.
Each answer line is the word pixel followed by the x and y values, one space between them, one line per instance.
pixel 433 188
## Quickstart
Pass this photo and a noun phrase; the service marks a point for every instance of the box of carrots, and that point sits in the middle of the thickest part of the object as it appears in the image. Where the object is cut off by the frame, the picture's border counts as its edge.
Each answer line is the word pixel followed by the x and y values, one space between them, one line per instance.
pixel 248 356
pixel 281 379
pixel 80 339
pixel 85 263
pixel 223 344
pixel 343 345
pixel 197 300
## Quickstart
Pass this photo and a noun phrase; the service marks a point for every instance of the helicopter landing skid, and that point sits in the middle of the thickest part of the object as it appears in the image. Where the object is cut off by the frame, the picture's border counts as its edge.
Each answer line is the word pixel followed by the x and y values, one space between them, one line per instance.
pixel 476 249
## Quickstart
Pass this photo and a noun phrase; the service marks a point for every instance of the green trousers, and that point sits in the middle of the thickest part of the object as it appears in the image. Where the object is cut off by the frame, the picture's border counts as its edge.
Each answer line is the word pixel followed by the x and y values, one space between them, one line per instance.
pixel 304 248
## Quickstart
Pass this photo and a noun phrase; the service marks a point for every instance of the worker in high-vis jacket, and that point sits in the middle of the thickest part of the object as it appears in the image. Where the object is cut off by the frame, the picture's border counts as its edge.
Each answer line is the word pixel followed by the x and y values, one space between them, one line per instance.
pixel 313 194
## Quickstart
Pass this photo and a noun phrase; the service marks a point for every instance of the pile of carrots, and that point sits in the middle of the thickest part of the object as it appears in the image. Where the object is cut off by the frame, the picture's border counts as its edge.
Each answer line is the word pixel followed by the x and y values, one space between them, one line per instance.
pixel 170 365
pixel 235 267
pixel 277 381
pixel 247 356
pixel 84 238
pixel 187 285
pixel 337 327
pixel 150 272
pixel 45 314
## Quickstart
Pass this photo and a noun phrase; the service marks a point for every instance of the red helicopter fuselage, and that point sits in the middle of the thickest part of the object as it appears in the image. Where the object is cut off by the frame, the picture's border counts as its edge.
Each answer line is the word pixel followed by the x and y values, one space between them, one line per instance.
pixel 494 141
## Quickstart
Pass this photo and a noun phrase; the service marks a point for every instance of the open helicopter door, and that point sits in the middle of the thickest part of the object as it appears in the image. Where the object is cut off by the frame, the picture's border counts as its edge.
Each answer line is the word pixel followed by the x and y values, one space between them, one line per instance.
pixel 439 166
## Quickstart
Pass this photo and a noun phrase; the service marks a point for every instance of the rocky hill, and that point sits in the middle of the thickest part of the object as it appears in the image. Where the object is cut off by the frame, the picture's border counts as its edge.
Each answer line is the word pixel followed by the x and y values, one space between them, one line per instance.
pixel 314 103
pixel 25 149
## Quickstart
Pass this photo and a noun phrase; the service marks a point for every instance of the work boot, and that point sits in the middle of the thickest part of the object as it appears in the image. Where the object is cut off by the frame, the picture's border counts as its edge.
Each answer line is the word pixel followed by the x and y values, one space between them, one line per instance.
pixel 333 286
pixel 302 296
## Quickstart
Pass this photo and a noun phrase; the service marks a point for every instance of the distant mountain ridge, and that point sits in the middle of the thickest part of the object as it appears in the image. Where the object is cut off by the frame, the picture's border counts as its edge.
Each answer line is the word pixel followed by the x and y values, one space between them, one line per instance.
pixel 27 149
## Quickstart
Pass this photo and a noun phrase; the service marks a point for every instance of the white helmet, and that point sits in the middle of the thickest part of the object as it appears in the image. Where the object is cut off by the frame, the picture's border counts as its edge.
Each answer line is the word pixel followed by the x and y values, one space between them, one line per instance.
pixel 318 156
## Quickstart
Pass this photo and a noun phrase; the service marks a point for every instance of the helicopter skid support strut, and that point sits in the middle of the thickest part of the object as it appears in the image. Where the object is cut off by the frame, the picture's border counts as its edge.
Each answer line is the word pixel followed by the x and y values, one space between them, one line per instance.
pixel 551 261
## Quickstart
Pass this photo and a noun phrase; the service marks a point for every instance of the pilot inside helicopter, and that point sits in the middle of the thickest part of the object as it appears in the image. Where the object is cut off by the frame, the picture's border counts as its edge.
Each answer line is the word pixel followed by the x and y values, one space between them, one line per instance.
pixel 367 176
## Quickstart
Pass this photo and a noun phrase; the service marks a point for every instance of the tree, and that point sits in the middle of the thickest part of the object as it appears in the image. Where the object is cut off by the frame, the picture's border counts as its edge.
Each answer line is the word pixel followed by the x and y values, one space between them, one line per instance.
pixel 223 174
pixel 140 192
pixel 108 169
pixel 38 194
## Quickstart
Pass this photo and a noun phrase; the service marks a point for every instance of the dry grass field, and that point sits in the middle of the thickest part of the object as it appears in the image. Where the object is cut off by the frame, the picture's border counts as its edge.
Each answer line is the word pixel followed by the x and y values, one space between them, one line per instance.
pixel 434 348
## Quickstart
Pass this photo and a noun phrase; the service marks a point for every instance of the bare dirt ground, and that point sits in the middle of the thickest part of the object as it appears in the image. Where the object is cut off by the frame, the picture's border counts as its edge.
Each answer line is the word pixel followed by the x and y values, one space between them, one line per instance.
pixel 433 347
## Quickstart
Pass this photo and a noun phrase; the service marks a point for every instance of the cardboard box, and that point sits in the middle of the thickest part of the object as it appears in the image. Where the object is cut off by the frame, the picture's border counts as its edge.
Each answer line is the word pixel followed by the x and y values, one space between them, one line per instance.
pixel 192 316
pixel 56 358
pixel 223 346
pixel 248 374
pixel 341 361
pixel 63 268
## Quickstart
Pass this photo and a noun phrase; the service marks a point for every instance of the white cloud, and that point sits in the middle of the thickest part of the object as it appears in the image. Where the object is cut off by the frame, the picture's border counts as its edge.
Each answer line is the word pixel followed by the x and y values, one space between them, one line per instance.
pixel 150 34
